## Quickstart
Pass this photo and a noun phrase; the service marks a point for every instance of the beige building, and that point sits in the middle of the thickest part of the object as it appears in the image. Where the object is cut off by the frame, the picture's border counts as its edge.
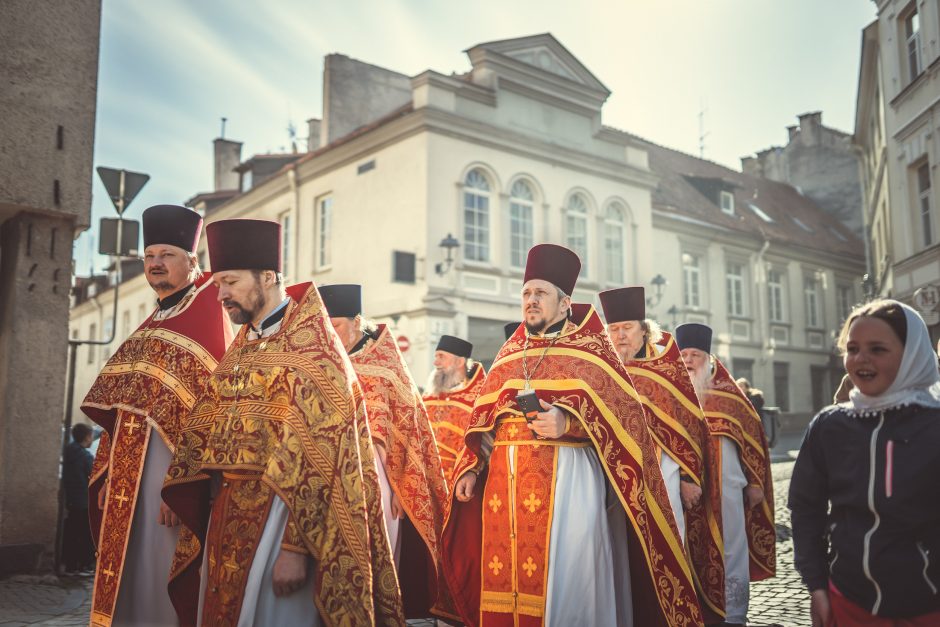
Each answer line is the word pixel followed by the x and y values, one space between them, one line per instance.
pixel 49 69
pixel 896 132
pixel 513 153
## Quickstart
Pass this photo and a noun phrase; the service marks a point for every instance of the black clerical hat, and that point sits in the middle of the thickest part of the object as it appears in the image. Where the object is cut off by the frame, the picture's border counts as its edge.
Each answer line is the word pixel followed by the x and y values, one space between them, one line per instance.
pixel 555 264
pixel 244 244
pixel 455 346
pixel 510 328
pixel 623 303
pixel 172 224
pixel 694 335
pixel 342 300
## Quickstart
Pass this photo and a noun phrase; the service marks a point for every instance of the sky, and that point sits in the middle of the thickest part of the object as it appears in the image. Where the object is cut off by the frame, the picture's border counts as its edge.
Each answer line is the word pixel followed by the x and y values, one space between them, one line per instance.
pixel 170 70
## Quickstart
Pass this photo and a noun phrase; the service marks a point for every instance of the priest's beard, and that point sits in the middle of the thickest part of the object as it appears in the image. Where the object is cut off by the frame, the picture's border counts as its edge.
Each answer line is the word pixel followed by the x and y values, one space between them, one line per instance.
pixel 244 313
pixel 700 380
pixel 442 380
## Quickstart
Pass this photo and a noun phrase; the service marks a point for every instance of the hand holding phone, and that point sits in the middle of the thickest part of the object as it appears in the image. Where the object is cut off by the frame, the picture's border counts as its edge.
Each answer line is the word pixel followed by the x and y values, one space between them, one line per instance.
pixel 529 405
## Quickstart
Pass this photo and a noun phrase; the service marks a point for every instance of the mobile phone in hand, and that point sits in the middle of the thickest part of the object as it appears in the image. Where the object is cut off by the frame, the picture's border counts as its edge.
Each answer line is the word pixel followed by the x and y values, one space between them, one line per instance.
pixel 528 404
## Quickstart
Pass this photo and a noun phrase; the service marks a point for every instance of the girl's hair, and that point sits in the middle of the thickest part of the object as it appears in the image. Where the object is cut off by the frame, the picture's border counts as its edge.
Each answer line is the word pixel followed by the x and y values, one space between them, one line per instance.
pixel 887 310
pixel 652 332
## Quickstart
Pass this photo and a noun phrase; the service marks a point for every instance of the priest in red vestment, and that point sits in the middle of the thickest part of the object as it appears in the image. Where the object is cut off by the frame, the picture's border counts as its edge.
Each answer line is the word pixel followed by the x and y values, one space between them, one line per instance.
pixel 409 468
pixel 141 399
pixel 560 515
pixel 453 387
pixel 739 479
pixel 677 425
pixel 274 472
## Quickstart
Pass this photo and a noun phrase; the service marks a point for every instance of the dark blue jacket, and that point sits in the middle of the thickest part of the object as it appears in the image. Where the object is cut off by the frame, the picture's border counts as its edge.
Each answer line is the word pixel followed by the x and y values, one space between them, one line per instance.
pixel 879 543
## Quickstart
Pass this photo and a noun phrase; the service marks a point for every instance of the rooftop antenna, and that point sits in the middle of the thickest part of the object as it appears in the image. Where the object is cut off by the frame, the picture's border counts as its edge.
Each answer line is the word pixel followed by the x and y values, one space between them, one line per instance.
pixel 224 120
pixel 701 130
pixel 291 130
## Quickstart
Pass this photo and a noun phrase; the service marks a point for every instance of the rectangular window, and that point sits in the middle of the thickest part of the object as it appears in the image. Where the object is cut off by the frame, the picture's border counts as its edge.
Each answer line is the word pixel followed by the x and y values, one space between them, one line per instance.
pixel 691 281
pixel 108 328
pixel 141 314
pixel 811 293
pixel 403 267
pixel 324 226
pixel 743 368
pixel 782 385
pixel 727 202
pixel 912 43
pixel 521 236
pixel 775 296
pixel 92 335
pixel 613 250
pixel 285 221
pixel 735 284
pixel 476 222
pixel 576 237
pixel 844 298
pixel 923 202
pixel 125 325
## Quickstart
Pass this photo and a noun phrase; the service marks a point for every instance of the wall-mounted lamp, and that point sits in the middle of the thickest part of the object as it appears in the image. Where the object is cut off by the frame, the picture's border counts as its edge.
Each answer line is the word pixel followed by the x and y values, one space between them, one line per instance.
pixel 674 312
pixel 449 244
pixel 659 283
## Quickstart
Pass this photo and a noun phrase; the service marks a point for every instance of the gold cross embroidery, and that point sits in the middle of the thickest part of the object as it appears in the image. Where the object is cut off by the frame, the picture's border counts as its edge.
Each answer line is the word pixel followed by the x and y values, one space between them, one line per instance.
pixel 121 498
pixel 513 431
pixel 532 502
pixel 495 503
pixel 133 425
pixel 107 572
pixel 529 567
pixel 495 565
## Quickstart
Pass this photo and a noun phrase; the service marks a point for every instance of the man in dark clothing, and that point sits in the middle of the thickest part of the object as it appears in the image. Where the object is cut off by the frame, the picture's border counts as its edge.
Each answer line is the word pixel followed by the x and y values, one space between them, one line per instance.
pixel 78 552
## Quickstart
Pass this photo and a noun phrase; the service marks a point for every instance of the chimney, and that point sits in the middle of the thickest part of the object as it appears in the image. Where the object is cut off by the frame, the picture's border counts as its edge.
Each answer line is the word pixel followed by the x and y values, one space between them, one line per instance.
pixel 313 134
pixel 810 124
pixel 228 154
pixel 751 166
pixel 792 132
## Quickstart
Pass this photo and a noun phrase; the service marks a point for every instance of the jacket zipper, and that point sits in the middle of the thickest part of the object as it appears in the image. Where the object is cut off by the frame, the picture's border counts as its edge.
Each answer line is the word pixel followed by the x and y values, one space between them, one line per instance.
pixel 923 554
pixel 889 468
pixel 866 547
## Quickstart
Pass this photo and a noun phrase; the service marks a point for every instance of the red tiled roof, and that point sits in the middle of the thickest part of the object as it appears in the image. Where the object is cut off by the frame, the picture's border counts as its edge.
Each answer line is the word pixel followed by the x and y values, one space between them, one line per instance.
pixel 796 219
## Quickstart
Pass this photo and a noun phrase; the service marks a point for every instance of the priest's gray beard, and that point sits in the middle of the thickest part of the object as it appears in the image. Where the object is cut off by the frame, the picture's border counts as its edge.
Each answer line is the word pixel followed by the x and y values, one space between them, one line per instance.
pixel 701 380
pixel 442 381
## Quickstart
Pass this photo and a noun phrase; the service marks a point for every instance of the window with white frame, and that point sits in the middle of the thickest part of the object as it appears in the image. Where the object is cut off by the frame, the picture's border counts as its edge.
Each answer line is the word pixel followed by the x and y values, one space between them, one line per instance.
pixel 912 42
pixel 727 202
pixel 125 324
pixel 286 235
pixel 476 217
pixel 141 314
pixel 923 202
pixel 613 243
pixel 108 330
pixel 734 279
pixel 813 308
pixel 576 229
pixel 691 280
pixel 775 296
pixel 521 226
pixel 324 232
pixel 92 335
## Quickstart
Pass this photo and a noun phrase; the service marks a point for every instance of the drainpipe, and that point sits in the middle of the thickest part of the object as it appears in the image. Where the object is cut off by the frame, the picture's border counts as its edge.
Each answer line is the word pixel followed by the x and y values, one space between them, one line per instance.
pixel 763 320
pixel 295 217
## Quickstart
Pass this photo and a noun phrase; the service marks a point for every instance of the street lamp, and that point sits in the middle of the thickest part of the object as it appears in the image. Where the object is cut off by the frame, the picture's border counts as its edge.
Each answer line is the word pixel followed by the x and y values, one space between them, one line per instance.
pixel 449 244
pixel 658 282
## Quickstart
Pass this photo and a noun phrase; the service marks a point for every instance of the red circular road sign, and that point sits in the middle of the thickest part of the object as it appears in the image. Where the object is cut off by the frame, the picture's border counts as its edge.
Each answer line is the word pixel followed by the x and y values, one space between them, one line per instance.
pixel 403 343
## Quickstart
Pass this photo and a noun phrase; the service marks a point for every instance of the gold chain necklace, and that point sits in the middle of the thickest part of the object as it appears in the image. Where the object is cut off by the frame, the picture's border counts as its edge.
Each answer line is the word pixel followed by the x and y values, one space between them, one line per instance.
pixel 525 366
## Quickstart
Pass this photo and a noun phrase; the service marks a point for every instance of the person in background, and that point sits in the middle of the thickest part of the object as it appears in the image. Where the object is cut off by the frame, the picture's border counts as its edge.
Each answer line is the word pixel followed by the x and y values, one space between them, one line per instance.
pixel 78 552
pixel 864 498
pixel 753 394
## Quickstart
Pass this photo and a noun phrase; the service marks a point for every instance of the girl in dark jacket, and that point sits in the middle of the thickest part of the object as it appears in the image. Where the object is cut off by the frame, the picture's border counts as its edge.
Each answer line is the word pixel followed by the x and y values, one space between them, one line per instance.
pixel 865 491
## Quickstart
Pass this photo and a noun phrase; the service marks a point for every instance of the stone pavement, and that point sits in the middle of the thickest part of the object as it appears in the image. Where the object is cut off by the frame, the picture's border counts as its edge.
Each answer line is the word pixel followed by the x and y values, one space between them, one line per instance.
pixel 66 602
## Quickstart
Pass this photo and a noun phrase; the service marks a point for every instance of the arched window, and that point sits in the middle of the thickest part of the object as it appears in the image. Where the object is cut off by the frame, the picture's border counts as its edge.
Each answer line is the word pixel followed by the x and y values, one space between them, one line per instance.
pixel 576 229
pixel 476 217
pixel 613 243
pixel 521 230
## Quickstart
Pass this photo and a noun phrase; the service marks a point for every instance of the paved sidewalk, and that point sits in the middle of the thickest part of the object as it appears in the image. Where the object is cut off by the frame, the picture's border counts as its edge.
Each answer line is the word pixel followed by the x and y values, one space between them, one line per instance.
pixel 66 601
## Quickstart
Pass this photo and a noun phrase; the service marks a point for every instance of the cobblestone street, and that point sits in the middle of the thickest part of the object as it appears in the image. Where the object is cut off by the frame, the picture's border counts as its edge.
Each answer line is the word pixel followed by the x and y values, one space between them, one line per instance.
pixel 66 602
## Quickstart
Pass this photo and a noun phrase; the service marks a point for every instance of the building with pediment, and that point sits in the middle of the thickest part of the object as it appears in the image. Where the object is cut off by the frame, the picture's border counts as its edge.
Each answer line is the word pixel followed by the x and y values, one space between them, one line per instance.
pixel 515 152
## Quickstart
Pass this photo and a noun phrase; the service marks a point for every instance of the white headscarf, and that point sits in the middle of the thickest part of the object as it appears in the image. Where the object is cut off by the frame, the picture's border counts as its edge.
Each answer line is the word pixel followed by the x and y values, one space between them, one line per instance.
pixel 918 378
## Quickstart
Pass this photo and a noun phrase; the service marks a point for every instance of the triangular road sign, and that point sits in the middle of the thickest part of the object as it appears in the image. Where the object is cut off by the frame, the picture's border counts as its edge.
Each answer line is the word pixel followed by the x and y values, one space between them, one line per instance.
pixel 122 186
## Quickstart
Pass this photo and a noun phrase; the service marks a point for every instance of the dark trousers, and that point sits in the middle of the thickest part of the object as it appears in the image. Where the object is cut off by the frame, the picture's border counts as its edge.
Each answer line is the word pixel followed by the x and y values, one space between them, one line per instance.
pixel 78 550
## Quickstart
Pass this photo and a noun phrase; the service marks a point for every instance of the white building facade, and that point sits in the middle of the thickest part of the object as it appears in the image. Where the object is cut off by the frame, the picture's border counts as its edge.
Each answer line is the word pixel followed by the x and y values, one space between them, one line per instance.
pixel 512 154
